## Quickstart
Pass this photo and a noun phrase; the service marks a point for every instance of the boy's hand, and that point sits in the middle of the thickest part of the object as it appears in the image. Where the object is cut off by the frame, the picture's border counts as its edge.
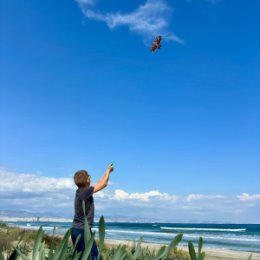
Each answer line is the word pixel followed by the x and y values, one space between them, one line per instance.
pixel 110 168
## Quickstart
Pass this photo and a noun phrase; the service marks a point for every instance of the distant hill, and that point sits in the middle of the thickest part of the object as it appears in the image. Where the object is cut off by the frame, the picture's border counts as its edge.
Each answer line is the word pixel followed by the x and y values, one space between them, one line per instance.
pixel 16 213
pixel 25 214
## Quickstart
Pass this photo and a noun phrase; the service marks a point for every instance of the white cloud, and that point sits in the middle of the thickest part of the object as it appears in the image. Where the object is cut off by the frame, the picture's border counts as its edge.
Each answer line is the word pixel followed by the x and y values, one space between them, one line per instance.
pixel 55 197
pixel 146 196
pixel 121 195
pixel 148 20
pixel 194 197
pixel 24 182
pixel 247 197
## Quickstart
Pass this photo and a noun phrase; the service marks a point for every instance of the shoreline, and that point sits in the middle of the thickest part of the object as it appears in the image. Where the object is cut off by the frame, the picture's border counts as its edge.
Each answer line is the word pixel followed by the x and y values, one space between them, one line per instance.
pixel 211 253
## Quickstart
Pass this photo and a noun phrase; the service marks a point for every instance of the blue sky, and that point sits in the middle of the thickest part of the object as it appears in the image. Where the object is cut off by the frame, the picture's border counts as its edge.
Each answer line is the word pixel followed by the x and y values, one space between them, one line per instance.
pixel 80 88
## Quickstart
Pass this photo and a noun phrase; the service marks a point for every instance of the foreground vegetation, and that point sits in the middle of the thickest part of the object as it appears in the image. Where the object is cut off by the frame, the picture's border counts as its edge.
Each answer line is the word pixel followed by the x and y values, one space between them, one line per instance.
pixel 31 245
pixel 52 247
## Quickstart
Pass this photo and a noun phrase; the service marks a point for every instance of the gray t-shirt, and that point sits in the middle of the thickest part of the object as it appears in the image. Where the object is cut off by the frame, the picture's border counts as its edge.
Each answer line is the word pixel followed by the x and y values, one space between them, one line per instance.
pixel 86 195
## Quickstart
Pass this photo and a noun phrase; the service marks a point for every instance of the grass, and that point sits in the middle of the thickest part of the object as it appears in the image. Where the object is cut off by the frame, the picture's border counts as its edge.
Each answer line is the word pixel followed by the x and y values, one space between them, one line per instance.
pixel 11 237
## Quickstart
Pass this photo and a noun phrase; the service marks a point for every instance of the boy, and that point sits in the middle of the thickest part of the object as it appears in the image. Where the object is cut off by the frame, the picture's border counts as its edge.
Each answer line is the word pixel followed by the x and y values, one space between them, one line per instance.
pixel 85 192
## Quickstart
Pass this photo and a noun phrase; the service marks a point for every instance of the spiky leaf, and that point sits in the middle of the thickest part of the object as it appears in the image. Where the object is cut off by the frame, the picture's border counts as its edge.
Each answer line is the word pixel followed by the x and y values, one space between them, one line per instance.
pixel 129 254
pixel 138 249
pixel 161 252
pixel 192 251
pixel 201 256
pixel 119 253
pixel 174 243
pixel 64 251
pixel 42 251
pixel 23 256
pixel 88 247
pixel 1 255
pixel 200 245
pixel 52 247
pixel 87 233
pixel 123 254
pixel 37 244
pixel 75 245
pixel 101 228
pixel 77 256
pixel 62 246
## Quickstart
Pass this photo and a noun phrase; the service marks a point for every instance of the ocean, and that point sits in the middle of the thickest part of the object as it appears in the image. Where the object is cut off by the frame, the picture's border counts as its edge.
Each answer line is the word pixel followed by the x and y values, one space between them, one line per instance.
pixel 243 237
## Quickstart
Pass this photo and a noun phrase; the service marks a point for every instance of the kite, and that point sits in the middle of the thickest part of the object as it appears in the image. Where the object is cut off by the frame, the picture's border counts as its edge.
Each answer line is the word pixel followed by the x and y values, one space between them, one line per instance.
pixel 156 44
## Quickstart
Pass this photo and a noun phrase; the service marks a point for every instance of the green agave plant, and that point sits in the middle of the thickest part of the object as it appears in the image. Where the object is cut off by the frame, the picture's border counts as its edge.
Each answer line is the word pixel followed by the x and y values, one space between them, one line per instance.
pixel 121 252
pixel 200 255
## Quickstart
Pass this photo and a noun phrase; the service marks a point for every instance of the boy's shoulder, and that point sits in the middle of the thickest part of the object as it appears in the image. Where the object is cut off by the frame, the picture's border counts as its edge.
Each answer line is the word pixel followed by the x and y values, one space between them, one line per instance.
pixel 85 192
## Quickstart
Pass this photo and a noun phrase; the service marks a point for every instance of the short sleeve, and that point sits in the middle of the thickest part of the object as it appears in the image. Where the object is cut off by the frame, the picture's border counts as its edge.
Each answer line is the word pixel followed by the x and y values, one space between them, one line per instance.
pixel 86 193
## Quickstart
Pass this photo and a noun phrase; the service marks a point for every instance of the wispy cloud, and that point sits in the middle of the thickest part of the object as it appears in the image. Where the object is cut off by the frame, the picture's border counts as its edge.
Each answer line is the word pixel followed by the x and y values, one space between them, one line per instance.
pixel 148 20
pixel 41 194
pixel 194 197
pixel 247 197
pixel 32 183
pixel 145 196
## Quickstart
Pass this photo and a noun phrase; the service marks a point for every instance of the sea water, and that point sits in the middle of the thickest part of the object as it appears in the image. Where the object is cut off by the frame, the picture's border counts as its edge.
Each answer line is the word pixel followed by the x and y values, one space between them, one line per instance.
pixel 242 237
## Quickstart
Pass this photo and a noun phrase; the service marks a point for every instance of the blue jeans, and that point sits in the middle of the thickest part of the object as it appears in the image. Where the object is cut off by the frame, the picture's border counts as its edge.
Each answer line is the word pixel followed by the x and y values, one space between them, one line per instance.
pixel 81 244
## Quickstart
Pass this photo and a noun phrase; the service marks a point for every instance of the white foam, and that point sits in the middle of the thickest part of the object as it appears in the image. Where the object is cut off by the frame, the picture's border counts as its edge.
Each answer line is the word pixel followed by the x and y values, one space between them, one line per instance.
pixel 33 227
pixel 150 233
pixel 221 238
pixel 206 229
pixel 171 235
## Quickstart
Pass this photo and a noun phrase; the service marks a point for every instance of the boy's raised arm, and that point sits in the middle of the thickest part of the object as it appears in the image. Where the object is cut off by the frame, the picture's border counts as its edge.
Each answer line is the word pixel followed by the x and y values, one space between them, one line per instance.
pixel 102 183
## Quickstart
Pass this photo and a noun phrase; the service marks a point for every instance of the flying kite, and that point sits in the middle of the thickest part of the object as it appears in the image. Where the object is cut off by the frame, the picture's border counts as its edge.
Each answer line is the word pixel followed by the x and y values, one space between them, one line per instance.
pixel 156 44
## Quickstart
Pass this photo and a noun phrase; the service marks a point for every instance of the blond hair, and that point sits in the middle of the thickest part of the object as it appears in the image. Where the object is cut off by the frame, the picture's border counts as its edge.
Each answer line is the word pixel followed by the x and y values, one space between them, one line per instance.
pixel 81 178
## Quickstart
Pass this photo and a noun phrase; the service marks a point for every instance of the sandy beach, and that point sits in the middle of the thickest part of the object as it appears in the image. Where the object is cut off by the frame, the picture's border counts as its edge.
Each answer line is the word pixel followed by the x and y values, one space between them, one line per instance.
pixel 211 253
